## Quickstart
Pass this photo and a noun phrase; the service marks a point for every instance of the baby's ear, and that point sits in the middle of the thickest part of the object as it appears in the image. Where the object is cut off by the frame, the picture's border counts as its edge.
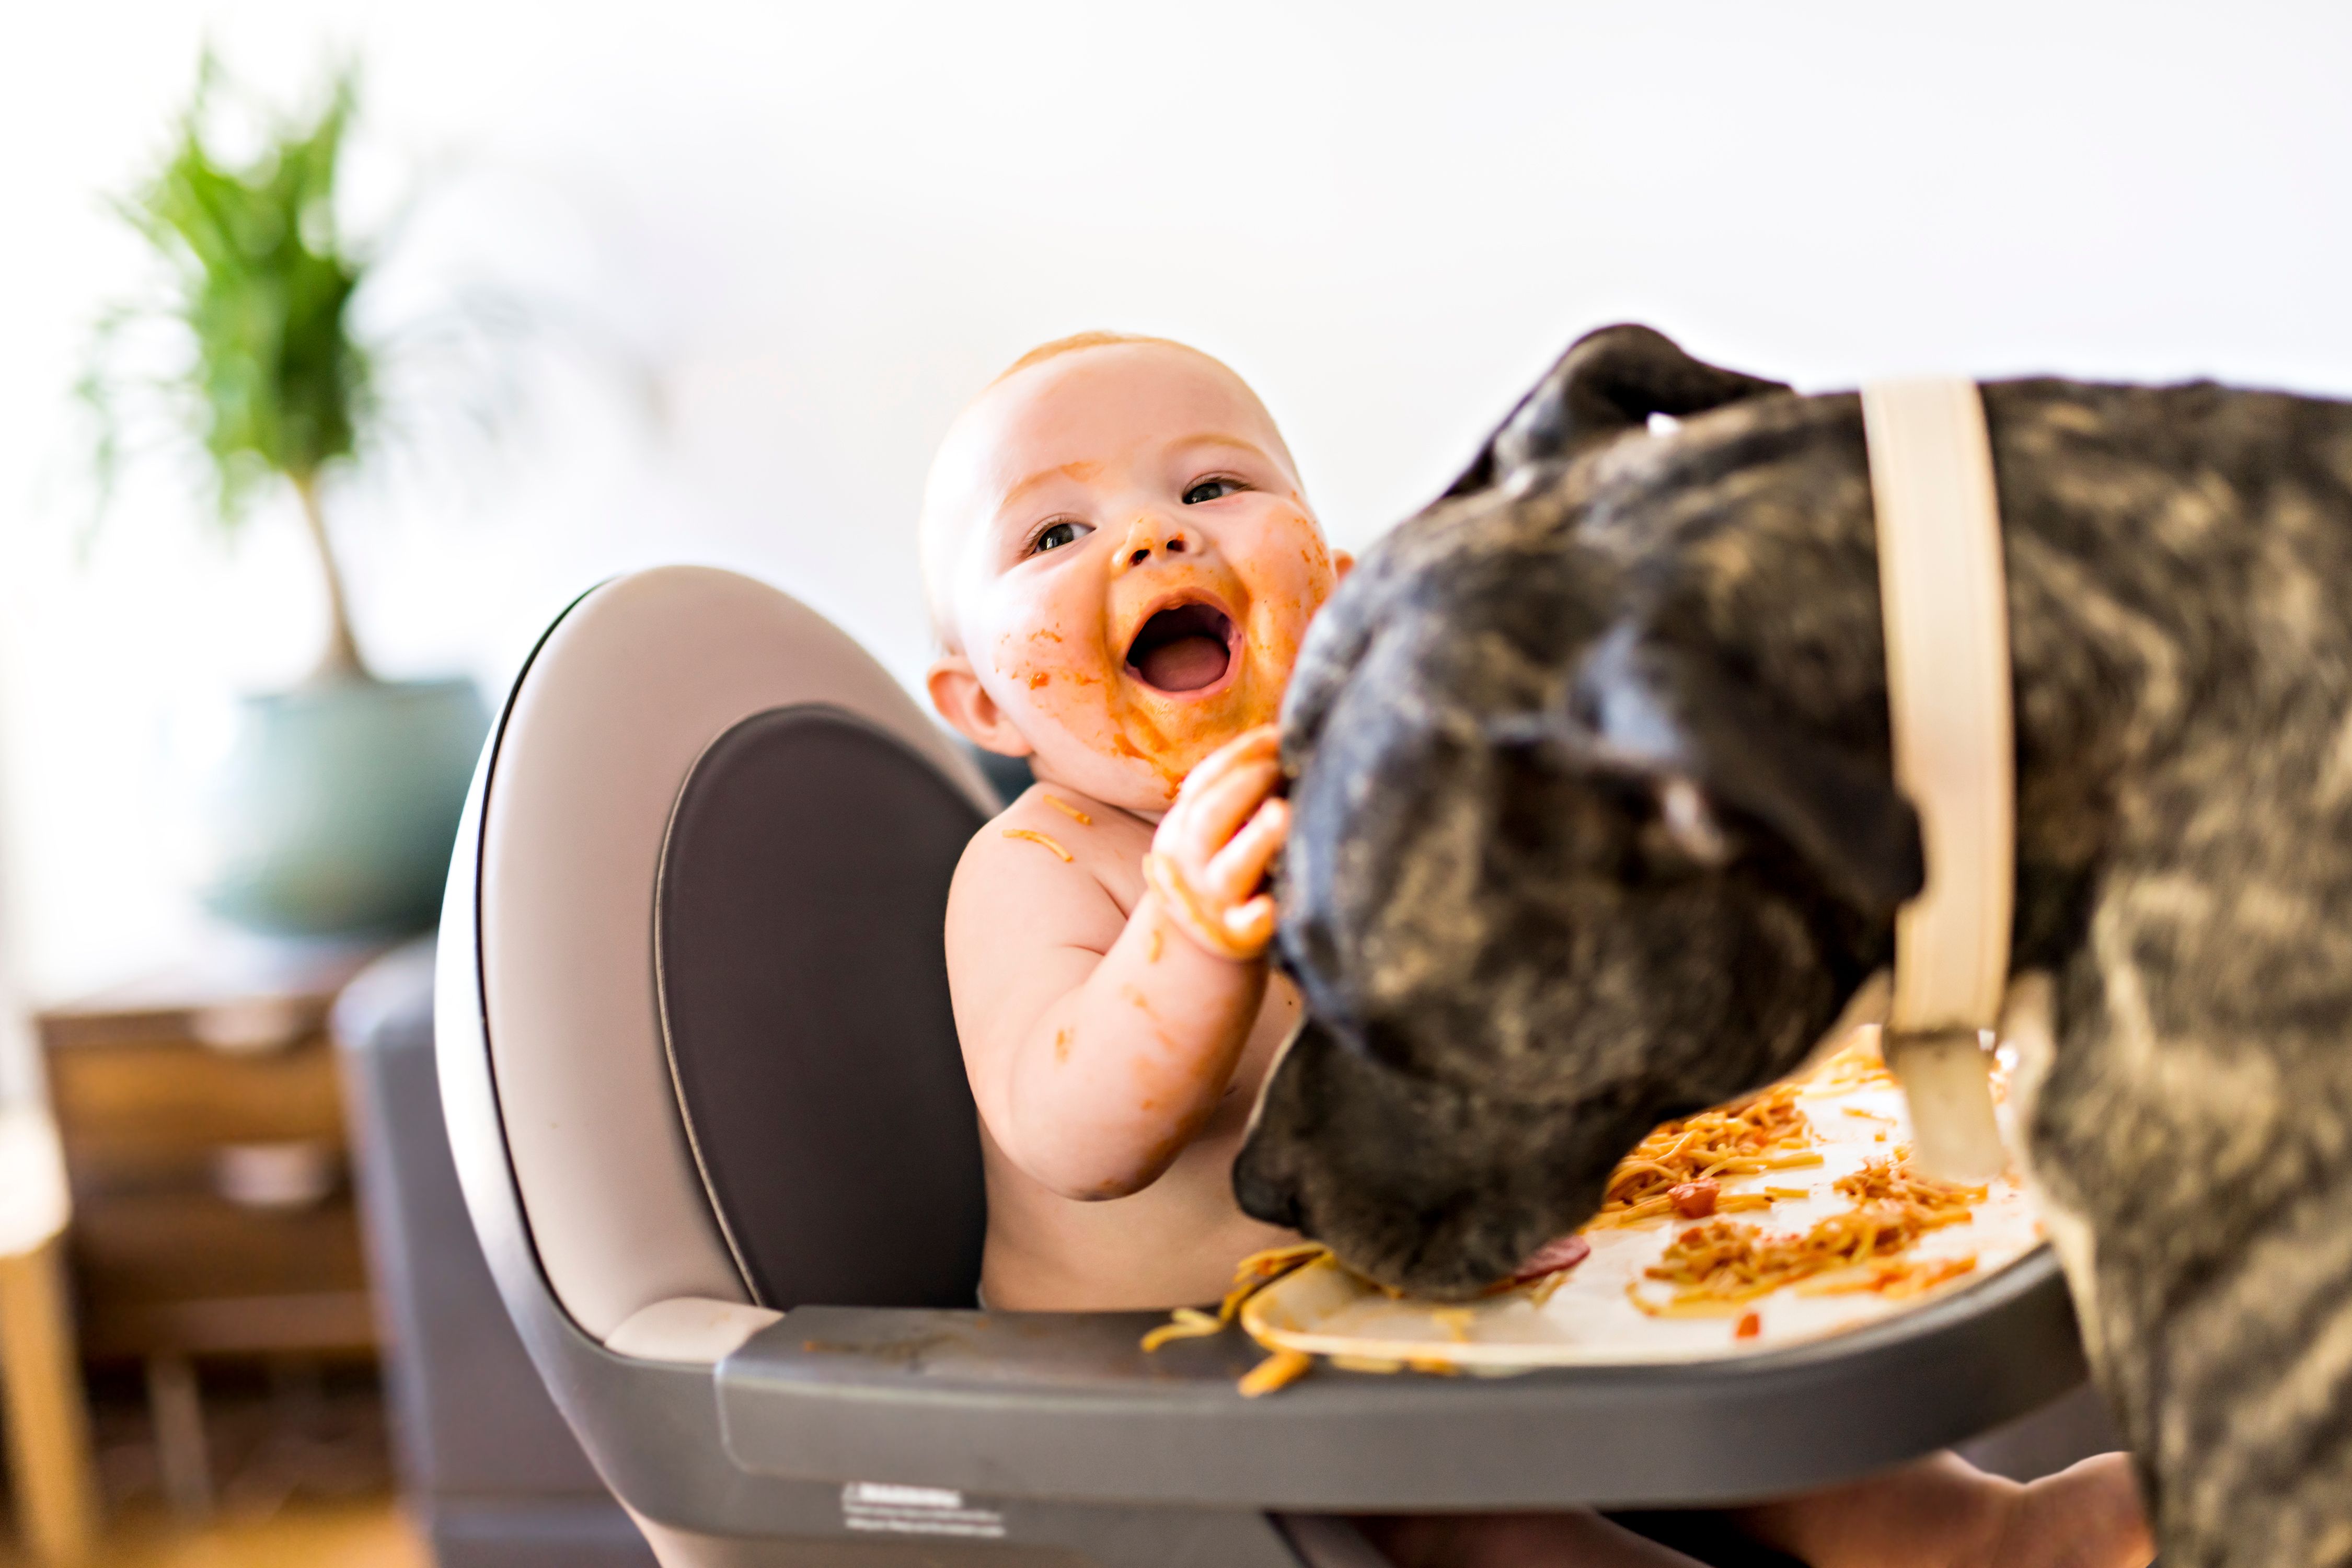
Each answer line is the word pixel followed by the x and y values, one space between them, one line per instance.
pixel 970 710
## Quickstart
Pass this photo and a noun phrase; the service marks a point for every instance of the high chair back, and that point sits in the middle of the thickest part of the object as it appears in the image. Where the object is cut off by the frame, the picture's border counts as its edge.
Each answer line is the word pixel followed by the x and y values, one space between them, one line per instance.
pixel 627 1198
pixel 804 1001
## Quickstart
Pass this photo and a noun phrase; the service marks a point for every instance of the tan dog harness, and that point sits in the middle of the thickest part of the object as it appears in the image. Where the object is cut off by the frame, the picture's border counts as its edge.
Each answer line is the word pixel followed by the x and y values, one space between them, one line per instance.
pixel 1944 597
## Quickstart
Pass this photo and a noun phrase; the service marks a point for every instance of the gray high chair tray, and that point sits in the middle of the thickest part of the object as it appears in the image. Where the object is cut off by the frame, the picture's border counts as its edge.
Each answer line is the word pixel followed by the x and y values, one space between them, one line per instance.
pixel 704 1094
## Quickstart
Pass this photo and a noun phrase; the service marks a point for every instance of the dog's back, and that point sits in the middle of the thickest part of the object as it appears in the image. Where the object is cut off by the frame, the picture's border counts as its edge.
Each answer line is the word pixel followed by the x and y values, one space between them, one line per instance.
pixel 1518 942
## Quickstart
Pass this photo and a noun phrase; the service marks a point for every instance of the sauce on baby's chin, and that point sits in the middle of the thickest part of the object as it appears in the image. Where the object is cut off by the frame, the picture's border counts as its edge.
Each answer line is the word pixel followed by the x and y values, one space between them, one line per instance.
pixel 1172 736
pixel 1173 741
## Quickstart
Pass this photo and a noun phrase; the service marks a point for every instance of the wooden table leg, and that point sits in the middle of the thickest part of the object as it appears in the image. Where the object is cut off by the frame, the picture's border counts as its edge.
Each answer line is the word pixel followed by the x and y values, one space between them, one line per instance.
pixel 176 1402
pixel 47 1416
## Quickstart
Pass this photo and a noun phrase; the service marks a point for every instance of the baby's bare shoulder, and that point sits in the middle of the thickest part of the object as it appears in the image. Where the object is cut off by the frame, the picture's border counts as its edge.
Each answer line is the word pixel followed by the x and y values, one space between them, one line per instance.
pixel 1066 867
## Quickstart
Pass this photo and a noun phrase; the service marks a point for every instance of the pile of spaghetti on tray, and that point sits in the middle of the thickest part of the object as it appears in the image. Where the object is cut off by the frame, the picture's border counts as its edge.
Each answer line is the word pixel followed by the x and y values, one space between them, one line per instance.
pixel 1779 1218
pixel 1722 1265
pixel 1679 1169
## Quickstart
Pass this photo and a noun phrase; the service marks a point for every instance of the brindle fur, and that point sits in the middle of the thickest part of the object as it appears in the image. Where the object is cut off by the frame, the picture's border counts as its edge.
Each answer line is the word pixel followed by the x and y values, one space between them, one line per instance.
pixel 1518 960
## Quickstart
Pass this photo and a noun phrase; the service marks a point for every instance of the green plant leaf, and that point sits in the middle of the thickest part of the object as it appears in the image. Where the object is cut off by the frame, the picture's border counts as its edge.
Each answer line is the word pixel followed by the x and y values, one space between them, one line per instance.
pixel 260 286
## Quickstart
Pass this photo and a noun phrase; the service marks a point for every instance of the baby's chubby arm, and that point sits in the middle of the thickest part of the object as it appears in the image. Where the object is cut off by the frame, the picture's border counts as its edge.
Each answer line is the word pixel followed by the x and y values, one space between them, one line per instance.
pixel 1099 1043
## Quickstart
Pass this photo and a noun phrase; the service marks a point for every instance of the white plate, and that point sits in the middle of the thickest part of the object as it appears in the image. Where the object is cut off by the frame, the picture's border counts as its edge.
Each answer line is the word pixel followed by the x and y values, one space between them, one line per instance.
pixel 1588 1320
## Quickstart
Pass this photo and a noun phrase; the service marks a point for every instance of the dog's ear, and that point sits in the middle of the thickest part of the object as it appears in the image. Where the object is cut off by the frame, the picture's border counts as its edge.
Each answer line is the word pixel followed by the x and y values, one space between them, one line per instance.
pixel 1709 743
pixel 1607 382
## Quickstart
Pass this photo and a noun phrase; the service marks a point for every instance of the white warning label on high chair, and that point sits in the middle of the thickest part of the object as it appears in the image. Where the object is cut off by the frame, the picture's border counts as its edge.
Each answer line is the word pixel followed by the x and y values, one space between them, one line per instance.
pixel 916 1510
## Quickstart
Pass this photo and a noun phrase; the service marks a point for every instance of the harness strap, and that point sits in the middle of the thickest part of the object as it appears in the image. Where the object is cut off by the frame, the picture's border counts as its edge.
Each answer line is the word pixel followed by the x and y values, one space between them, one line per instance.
pixel 1945 603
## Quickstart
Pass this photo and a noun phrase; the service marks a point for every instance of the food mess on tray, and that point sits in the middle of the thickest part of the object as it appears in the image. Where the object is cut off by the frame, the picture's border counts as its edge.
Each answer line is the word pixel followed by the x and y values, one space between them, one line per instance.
pixel 1787 1216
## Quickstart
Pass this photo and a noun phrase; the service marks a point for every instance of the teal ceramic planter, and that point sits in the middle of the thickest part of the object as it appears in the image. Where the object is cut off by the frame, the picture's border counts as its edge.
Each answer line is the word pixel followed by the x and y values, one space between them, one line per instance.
pixel 335 810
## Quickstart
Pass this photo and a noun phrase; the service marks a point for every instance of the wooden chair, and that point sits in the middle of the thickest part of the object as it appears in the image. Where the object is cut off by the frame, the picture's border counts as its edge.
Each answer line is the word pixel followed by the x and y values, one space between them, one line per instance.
pixel 48 1420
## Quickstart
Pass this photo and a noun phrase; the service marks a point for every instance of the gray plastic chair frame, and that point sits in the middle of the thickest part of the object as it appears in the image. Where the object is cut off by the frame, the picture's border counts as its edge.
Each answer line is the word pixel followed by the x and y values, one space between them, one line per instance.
pixel 746 1434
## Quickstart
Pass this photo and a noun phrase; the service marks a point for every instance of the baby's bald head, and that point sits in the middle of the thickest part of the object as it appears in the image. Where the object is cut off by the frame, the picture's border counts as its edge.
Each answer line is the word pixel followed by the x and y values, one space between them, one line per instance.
pixel 970 472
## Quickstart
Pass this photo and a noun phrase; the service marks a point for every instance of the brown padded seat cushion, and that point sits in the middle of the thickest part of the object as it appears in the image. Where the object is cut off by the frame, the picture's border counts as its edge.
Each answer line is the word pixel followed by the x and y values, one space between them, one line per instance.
pixel 804 1001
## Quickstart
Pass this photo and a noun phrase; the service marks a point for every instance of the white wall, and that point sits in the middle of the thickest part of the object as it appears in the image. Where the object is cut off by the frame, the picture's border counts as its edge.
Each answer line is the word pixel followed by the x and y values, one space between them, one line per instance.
pixel 822 227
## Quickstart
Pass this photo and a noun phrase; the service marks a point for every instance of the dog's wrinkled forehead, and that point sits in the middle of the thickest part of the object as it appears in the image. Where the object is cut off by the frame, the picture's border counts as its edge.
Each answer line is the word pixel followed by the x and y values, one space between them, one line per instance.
pixel 1503 894
pixel 1409 892
pixel 1517 801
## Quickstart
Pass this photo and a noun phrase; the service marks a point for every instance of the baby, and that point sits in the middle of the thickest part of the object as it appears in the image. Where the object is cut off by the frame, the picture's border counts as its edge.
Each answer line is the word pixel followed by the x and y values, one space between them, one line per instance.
pixel 1120 564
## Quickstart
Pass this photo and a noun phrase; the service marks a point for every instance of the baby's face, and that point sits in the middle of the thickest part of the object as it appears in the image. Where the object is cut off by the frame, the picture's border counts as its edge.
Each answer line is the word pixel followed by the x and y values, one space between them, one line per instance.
pixel 1130 570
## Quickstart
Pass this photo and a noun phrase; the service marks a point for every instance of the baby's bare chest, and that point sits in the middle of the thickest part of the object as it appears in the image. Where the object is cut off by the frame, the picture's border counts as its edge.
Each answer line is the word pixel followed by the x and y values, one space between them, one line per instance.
pixel 1174 1244
pixel 1277 1020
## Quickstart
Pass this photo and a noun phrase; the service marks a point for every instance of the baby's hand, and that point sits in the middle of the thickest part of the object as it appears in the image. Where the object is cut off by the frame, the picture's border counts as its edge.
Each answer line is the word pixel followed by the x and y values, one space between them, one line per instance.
pixel 1212 847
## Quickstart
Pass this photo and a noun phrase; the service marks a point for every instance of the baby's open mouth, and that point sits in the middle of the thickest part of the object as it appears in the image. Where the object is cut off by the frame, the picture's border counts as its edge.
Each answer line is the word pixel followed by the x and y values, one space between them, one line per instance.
pixel 1182 649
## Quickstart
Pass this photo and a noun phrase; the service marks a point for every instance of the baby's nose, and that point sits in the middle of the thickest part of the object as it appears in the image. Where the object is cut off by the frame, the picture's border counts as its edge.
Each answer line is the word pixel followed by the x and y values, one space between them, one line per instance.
pixel 1148 536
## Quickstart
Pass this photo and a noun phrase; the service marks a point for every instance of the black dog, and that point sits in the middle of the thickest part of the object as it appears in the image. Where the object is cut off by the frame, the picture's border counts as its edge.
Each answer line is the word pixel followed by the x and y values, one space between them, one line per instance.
pixel 1595 826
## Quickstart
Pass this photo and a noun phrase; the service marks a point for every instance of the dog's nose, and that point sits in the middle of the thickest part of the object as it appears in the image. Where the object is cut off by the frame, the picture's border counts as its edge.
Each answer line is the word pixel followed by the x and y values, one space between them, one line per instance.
pixel 1264 1197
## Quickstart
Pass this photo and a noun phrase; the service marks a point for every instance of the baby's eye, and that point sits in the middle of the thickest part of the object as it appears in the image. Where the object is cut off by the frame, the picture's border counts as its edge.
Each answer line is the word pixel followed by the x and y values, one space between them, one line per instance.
pixel 1211 489
pixel 1055 536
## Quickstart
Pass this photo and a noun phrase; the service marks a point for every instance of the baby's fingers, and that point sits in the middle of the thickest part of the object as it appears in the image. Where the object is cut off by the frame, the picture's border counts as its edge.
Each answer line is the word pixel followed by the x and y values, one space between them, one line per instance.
pixel 1201 824
pixel 1237 934
pixel 1250 925
pixel 1240 865
pixel 1256 745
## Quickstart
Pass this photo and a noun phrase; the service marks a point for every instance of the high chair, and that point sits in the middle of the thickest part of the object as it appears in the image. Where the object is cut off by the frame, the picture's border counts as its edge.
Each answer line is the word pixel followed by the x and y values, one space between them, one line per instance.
pixel 703 1088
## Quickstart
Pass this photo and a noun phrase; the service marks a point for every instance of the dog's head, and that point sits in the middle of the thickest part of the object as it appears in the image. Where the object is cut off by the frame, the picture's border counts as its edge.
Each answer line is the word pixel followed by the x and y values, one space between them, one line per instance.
pixel 1561 867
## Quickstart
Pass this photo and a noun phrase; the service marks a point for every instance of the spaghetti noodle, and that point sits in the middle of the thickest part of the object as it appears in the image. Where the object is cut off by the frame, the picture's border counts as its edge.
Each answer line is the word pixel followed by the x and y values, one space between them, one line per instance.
pixel 1251 1275
pixel 1033 836
pixel 1279 1370
pixel 1066 809
pixel 1184 1323
pixel 1674 1170
pixel 1895 1278
pixel 1719 1266
pixel 1893 1181
pixel 1857 1064
pixel 1259 1269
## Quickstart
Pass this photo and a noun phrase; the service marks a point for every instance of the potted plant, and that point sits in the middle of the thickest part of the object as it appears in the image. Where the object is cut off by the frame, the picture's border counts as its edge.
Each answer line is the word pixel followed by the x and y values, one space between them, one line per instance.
pixel 337 804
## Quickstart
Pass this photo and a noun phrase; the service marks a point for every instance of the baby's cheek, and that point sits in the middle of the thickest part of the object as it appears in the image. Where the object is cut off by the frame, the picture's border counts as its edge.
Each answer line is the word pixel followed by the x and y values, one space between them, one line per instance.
pixel 1056 684
pixel 1277 624
pixel 1299 576
pixel 1064 695
pixel 1044 661
pixel 1315 558
pixel 1317 576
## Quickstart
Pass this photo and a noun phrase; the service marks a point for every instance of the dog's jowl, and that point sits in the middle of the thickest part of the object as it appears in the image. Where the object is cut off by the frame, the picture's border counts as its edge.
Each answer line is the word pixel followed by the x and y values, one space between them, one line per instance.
pixel 1595 825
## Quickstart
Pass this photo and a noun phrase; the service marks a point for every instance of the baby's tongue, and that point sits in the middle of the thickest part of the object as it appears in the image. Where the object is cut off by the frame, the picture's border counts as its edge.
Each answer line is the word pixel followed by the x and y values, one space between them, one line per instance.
pixel 1187 664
